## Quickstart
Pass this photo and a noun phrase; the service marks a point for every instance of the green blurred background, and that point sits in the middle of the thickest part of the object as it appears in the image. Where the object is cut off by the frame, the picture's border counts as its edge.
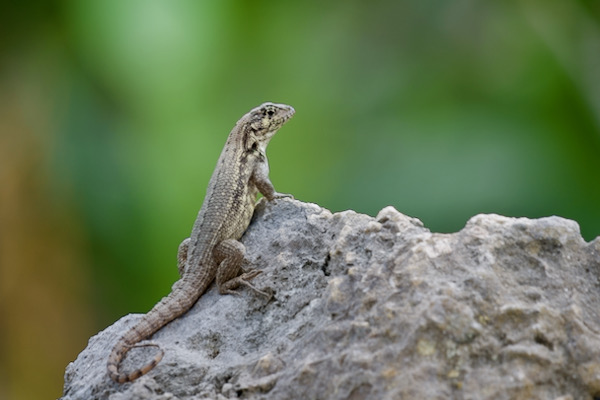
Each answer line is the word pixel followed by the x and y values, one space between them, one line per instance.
pixel 113 113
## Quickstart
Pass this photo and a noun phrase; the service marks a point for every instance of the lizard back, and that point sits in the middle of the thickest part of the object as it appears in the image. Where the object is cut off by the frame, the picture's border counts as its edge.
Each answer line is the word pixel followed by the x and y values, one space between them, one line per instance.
pixel 241 172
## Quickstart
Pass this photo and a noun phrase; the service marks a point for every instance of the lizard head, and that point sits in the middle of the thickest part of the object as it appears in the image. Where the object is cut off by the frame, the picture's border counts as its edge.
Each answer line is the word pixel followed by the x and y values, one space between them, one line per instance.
pixel 262 122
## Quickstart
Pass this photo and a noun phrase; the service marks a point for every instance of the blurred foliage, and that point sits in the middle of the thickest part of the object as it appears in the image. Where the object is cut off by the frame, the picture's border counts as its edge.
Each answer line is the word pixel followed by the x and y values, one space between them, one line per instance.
pixel 114 113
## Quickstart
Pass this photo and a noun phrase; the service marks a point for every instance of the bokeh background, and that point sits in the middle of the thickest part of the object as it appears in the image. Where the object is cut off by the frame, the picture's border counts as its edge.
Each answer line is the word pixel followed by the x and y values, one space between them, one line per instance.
pixel 113 114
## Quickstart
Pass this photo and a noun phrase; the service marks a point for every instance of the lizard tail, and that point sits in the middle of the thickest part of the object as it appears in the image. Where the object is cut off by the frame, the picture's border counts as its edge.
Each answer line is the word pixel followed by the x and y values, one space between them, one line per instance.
pixel 117 355
pixel 183 296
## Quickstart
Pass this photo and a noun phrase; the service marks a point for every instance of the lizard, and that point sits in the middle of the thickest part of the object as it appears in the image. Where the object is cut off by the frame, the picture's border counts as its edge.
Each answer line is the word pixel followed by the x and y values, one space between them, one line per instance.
pixel 213 250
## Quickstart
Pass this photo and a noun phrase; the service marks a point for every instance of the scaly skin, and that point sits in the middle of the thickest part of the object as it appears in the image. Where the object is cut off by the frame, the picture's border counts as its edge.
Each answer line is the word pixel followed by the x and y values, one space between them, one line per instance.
pixel 213 251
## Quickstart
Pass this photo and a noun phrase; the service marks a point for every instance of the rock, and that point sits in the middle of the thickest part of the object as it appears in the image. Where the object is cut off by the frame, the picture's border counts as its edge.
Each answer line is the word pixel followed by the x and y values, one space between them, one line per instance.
pixel 380 308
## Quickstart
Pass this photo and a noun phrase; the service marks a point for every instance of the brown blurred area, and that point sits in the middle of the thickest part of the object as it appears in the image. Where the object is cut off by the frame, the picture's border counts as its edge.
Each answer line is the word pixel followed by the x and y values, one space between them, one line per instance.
pixel 44 312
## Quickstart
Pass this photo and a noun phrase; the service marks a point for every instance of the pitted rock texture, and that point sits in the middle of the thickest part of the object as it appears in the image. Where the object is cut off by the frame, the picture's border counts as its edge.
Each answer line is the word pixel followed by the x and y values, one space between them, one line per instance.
pixel 380 308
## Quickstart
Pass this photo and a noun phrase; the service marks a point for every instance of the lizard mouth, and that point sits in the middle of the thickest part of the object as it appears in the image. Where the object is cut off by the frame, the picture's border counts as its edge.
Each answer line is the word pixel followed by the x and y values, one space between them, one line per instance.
pixel 290 113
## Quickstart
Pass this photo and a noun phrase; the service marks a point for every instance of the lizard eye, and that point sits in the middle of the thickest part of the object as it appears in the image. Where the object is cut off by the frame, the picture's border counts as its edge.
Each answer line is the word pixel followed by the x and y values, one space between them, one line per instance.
pixel 268 112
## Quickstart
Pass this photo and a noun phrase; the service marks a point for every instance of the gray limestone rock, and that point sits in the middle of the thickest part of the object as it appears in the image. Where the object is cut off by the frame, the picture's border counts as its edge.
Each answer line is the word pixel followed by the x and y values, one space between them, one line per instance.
pixel 380 308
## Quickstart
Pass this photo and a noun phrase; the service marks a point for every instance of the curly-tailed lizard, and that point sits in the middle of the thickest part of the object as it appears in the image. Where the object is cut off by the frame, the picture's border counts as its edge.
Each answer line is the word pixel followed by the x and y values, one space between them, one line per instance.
pixel 213 251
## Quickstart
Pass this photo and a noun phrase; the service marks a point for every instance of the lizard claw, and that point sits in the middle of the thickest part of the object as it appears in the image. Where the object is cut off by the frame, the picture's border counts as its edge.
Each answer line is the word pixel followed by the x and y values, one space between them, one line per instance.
pixel 248 275
pixel 229 286
pixel 250 286
pixel 278 196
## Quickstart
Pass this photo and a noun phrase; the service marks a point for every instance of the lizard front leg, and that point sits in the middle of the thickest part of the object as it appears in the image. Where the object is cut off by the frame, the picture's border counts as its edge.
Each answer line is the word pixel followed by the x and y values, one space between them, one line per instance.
pixel 260 178
pixel 229 255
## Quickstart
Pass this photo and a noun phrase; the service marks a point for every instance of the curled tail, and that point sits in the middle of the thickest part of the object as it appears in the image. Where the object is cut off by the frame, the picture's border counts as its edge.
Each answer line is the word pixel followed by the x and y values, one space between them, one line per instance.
pixel 183 296
pixel 117 355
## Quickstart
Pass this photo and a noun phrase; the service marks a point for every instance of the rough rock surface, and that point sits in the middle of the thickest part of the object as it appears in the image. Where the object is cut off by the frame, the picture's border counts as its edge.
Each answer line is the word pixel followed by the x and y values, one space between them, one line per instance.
pixel 380 308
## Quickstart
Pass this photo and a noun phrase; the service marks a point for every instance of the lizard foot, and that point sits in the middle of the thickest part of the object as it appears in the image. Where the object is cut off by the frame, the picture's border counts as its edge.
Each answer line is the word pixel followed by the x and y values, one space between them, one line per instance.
pixel 227 287
pixel 278 195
